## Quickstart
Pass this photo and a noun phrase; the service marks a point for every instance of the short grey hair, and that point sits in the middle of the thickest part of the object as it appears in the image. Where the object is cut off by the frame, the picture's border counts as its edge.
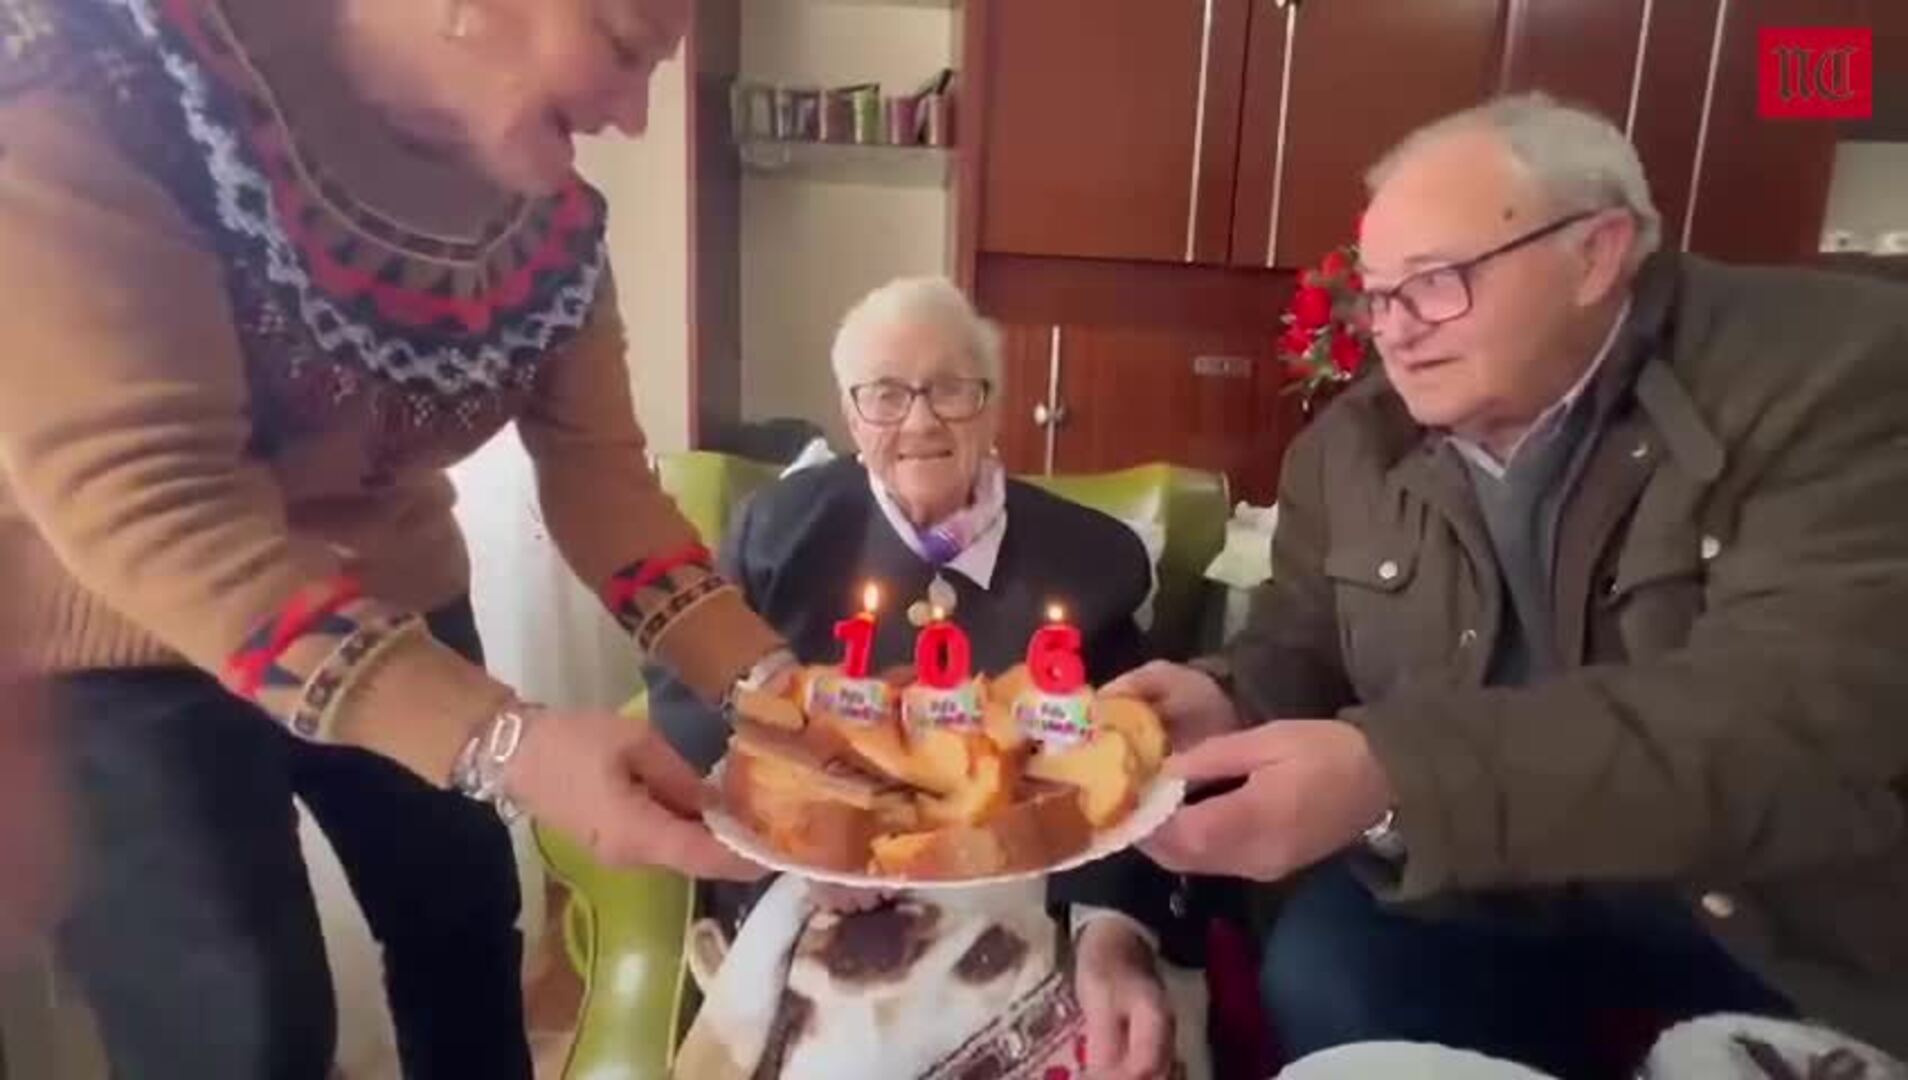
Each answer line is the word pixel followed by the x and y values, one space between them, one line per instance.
pixel 1578 157
pixel 935 301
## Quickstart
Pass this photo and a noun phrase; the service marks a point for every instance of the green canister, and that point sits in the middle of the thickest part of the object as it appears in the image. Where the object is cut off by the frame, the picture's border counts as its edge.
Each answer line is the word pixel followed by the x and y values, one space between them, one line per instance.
pixel 866 102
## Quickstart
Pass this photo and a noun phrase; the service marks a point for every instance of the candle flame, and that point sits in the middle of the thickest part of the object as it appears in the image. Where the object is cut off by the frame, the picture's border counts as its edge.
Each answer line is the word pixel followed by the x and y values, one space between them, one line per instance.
pixel 940 613
pixel 1056 613
pixel 870 597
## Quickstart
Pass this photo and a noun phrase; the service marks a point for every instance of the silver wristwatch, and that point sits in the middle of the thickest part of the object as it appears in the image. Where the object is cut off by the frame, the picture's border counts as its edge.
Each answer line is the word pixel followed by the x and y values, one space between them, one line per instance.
pixel 1384 839
pixel 480 767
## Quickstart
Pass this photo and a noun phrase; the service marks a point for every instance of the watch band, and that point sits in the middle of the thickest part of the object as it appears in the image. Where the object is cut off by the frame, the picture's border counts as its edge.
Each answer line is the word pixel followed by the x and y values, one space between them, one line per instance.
pixel 480 767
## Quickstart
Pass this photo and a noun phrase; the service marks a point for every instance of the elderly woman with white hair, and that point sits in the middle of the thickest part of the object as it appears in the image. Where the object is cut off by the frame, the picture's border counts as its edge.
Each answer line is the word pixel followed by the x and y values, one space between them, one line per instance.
pixel 926 510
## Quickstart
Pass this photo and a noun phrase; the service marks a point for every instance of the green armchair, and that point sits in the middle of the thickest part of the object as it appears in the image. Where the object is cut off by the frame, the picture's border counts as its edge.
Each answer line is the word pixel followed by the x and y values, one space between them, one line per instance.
pixel 625 930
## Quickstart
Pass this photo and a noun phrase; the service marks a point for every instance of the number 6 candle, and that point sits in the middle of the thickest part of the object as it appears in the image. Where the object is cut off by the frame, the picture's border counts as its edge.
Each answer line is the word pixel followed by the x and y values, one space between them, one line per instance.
pixel 1056 709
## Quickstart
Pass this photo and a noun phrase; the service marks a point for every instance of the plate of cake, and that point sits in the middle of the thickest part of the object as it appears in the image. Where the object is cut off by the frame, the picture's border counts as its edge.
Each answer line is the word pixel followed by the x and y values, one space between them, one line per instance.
pixel 881 784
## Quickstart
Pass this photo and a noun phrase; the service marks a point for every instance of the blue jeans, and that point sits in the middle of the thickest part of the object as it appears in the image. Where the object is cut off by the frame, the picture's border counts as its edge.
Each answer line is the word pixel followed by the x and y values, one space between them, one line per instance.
pixel 193 929
pixel 1341 968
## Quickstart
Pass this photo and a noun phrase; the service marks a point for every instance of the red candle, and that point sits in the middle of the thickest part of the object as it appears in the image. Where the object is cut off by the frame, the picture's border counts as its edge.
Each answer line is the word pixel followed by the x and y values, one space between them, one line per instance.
pixel 943 657
pixel 1053 655
pixel 856 635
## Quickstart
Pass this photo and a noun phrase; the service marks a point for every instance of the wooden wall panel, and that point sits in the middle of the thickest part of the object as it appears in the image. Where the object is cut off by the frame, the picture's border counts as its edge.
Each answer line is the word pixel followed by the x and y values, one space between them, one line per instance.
pixel 1025 349
pixel 1195 399
pixel 713 53
pixel 1100 292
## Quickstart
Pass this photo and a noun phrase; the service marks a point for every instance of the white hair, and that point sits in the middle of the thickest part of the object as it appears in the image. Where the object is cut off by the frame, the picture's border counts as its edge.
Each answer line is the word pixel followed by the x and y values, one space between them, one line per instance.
pixel 1577 157
pixel 934 301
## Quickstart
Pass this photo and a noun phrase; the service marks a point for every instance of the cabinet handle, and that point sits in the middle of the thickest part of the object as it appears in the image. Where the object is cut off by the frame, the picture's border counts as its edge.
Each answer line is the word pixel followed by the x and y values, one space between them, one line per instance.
pixel 1291 8
pixel 1199 130
pixel 1702 128
pixel 1050 414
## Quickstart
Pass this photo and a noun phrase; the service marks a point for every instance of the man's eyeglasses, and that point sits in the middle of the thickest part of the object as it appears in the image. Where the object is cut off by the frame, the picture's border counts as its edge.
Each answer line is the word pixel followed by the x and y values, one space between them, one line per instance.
pixel 1443 293
pixel 951 400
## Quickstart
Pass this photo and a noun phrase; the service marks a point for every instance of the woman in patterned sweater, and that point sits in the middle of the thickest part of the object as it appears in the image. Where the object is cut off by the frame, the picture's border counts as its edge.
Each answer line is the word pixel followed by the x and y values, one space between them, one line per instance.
pixel 271 266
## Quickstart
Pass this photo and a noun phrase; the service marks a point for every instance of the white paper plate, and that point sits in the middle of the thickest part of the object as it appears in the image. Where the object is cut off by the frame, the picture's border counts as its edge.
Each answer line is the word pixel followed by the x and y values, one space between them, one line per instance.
pixel 1156 804
pixel 1419 1061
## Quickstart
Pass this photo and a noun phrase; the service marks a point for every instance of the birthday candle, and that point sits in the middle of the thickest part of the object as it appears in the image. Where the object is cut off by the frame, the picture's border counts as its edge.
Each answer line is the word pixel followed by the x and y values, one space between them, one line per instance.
pixel 943 656
pixel 1055 710
pixel 1053 655
pixel 856 634
pixel 946 696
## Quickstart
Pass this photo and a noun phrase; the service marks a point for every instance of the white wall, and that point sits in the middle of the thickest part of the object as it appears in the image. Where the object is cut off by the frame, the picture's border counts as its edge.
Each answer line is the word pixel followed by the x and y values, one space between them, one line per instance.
pixel 809 249
pixel 646 181
pixel 1869 195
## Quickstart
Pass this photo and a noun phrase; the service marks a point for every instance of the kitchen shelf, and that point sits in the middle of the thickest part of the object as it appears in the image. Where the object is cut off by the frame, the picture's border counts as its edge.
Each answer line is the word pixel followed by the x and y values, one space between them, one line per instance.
pixel 848 163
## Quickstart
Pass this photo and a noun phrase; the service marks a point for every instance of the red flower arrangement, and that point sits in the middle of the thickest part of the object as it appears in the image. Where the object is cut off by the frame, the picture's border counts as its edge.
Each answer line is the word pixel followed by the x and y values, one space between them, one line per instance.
pixel 1323 345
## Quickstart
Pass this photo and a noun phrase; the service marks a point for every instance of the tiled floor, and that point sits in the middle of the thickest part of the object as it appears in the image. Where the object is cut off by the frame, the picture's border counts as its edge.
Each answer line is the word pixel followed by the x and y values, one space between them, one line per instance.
pixel 64 1046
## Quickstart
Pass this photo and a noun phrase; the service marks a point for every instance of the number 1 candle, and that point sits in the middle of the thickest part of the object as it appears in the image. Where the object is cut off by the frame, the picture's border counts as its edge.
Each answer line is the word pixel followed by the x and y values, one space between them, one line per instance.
pixel 853 695
pixel 856 633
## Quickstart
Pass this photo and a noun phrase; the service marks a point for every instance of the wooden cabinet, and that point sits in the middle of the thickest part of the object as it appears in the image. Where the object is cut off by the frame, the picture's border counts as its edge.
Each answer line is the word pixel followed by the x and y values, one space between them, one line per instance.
pixel 1148 174
pixel 1176 130
pixel 1237 132
pixel 1111 127
pixel 1083 398
pixel 1330 85
pixel 1681 79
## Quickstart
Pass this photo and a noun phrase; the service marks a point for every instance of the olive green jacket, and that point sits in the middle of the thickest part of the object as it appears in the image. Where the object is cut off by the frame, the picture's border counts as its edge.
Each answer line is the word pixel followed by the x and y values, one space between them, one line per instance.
pixel 1731 596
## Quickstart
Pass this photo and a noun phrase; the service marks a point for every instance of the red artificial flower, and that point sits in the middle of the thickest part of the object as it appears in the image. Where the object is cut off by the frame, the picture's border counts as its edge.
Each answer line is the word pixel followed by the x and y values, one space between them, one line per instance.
pixel 1347 353
pixel 1336 263
pixel 1295 342
pixel 1311 307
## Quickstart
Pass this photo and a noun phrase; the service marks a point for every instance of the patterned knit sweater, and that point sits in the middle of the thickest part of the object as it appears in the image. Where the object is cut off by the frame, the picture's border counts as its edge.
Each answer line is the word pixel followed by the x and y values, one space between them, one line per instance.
pixel 243 341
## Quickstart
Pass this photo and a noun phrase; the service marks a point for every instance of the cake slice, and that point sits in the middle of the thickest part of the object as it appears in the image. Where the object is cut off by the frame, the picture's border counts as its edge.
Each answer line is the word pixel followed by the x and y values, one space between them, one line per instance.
pixel 1004 728
pixel 816 809
pixel 987 790
pixel 1141 726
pixel 769 710
pixel 1104 769
pixel 1007 687
pixel 1044 827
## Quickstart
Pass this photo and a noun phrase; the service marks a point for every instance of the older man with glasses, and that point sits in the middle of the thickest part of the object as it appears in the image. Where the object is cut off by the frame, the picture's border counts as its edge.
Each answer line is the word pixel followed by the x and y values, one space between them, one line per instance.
pixel 1579 686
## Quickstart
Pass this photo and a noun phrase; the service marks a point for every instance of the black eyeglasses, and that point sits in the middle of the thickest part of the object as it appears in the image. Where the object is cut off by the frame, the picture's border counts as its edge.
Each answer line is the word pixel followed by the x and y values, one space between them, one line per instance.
pixel 951 400
pixel 1443 293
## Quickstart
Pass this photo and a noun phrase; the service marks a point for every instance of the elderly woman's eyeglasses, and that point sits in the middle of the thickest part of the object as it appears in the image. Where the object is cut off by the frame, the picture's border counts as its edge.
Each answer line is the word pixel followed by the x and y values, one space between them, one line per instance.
pixel 951 400
pixel 1443 293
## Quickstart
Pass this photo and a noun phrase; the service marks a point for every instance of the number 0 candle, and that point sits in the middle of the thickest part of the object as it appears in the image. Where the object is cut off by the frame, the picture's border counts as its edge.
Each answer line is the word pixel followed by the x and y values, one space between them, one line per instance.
pixel 943 656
